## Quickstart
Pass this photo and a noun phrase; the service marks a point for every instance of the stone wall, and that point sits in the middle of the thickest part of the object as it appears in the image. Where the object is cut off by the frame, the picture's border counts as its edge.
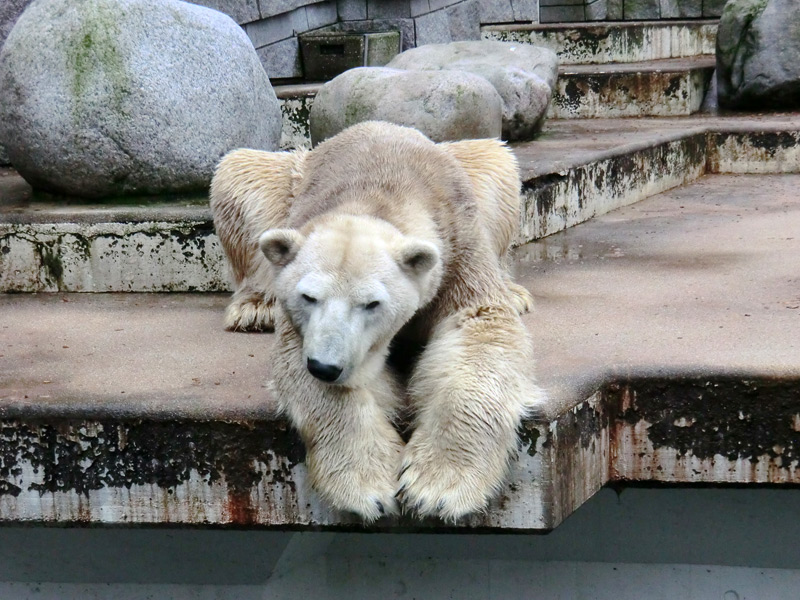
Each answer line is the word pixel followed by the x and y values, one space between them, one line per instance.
pixel 273 25
pixel 560 11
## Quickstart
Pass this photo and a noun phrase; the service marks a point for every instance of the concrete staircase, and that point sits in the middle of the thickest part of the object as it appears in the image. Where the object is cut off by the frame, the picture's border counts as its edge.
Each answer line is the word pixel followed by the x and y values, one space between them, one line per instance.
pixel 610 70
pixel 666 326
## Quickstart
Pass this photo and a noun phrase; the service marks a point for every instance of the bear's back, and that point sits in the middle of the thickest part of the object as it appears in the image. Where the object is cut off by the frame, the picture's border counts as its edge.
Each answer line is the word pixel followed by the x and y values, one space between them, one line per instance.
pixel 386 171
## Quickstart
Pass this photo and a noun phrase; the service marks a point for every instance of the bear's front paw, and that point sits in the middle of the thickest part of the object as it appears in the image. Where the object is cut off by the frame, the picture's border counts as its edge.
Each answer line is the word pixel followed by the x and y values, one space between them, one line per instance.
pixel 364 484
pixel 370 502
pixel 250 313
pixel 441 485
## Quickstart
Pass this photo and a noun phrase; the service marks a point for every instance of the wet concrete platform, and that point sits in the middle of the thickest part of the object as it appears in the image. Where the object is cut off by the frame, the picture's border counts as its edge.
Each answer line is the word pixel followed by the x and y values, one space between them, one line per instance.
pixel 667 334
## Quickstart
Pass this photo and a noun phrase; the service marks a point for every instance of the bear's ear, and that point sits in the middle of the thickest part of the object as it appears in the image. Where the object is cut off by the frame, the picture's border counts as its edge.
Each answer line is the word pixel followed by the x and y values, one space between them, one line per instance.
pixel 280 246
pixel 418 257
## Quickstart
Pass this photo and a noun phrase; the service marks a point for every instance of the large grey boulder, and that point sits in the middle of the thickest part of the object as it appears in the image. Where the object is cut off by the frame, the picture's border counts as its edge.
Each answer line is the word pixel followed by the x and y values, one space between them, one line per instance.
pixel 109 97
pixel 523 75
pixel 10 10
pixel 444 105
pixel 758 54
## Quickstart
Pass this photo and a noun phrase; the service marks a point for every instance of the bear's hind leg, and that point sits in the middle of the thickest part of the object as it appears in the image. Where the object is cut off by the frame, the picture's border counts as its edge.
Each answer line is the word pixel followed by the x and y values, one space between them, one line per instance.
pixel 251 191
pixel 471 389
pixel 250 310
pixel 521 299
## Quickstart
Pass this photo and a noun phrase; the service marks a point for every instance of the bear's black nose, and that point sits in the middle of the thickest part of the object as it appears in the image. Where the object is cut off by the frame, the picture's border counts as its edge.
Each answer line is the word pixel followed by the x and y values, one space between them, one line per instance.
pixel 322 371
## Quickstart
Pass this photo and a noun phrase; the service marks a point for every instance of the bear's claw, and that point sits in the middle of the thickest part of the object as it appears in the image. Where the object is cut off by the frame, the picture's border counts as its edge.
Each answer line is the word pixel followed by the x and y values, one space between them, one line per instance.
pixel 441 489
pixel 521 298
pixel 251 313
pixel 372 509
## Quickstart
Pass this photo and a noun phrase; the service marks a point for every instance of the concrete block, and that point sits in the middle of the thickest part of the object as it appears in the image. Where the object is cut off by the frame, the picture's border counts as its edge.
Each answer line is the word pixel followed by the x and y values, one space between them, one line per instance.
pixel 295 134
pixel 561 2
pixel 561 14
pixel 432 28
pixel 458 22
pixel 673 9
pixel 352 10
pixel 525 10
pixel 322 14
pixel 633 42
pixel 439 4
pixel 597 10
pixel 496 11
pixel 642 9
pixel 272 8
pixel 464 21
pixel 419 7
pixel 591 91
pixel 388 9
pixel 408 36
pixel 713 8
pixel 281 59
pixel 381 48
pixel 330 53
pixel 241 11
pixel 271 30
pixel 614 10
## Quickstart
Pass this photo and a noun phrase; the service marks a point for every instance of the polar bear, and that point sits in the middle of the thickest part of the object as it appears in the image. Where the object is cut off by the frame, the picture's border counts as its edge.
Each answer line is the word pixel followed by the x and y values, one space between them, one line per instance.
pixel 376 239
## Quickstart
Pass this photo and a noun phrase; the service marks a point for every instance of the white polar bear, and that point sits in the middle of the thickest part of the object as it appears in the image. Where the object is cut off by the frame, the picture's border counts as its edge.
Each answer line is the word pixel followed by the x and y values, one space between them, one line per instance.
pixel 379 236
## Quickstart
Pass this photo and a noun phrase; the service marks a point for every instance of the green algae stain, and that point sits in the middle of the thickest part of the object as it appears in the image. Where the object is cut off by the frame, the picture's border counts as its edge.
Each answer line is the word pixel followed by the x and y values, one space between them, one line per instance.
pixel 96 61
pixel 50 259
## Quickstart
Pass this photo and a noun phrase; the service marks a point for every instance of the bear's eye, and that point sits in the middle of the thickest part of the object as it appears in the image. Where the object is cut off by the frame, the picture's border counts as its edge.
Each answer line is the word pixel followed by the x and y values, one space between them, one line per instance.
pixel 372 305
pixel 309 299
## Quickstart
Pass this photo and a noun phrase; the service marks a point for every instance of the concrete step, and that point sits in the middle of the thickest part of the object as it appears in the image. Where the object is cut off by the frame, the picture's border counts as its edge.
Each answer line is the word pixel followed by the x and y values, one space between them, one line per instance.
pixel 655 88
pixel 659 88
pixel 666 334
pixel 613 42
pixel 578 169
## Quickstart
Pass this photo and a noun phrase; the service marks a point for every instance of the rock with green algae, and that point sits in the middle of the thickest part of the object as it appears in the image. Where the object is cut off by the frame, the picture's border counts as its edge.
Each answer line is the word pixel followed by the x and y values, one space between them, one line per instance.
pixel 522 74
pixel 444 105
pixel 758 54
pixel 102 98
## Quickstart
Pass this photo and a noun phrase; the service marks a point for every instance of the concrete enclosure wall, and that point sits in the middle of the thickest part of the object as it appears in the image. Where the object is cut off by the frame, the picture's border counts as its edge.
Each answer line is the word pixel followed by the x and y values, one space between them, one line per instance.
pixel 273 25
pixel 561 11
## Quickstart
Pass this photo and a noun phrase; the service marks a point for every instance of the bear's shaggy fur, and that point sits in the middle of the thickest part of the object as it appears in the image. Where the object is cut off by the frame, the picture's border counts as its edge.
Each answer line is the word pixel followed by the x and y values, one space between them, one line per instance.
pixel 379 234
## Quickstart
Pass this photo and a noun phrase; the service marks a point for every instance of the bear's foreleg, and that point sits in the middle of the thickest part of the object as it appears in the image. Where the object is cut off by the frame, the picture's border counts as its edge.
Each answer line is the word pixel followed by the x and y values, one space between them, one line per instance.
pixel 352 448
pixel 471 388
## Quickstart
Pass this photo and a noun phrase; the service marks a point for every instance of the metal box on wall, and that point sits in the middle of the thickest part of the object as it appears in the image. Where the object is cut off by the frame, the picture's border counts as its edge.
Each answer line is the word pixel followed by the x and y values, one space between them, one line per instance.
pixel 327 54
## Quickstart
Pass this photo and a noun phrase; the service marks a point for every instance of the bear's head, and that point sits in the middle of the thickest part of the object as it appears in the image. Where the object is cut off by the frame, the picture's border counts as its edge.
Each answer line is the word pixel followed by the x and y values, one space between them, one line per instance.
pixel 348 286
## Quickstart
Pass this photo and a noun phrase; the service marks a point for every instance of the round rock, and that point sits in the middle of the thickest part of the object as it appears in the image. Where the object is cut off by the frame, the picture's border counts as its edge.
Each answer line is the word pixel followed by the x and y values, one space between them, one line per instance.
pixel 524 76
pixel 444 105
pixel 758 54
pixel 113 97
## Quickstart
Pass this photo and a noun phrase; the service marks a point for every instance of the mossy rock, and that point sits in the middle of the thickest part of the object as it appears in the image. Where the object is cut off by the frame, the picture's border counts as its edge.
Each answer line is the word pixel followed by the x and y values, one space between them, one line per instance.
pixel 444 105
pixel 102 98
